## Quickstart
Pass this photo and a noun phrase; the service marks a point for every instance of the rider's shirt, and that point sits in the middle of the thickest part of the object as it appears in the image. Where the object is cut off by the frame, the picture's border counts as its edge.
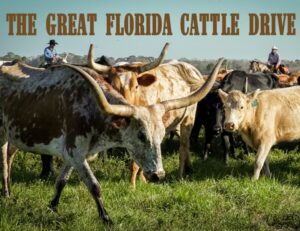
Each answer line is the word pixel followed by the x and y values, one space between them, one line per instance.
pixel 274 58
pixel 49 54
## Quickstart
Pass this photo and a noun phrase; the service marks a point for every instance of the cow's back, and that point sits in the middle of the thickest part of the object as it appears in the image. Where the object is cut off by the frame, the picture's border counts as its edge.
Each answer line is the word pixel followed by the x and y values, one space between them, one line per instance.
pixel 42 109
pixel 237 80
pixel 174 80
pixel 278 114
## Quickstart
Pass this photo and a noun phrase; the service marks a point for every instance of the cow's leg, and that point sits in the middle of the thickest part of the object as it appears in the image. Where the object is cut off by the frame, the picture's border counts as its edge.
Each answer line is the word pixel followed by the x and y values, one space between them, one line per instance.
pixel 246 149
pixel 261 156
pixel 47 167
pixel 196 129
pixel 184 149
pixel 267 168
pixel 94 188
pixel 11 152
pixel 60 183
pixel 142 177
pixel 5 187
pixel 207 145
pixel 227 146
pixel 134 171
pixel 196 124
pixel 232 144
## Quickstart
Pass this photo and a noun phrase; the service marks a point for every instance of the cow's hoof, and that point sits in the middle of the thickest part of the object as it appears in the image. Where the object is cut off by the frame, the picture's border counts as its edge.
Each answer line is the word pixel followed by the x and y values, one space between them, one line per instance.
pixel 107 221
pixel 5 193
pixel 52 208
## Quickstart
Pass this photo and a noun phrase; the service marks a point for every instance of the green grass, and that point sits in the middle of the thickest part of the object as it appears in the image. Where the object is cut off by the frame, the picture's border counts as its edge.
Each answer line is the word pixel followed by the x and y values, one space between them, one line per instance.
pixel 212 197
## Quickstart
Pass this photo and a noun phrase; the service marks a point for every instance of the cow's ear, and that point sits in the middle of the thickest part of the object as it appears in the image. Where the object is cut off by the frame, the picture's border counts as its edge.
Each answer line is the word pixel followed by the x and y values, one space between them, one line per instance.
pixel 146 79
pixel 252 98
pixel 223 95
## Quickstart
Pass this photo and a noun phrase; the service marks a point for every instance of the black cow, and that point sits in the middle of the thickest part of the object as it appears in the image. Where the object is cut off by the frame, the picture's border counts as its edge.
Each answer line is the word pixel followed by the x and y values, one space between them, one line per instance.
pixel 210 115
pixel 210 112
pixel 246 82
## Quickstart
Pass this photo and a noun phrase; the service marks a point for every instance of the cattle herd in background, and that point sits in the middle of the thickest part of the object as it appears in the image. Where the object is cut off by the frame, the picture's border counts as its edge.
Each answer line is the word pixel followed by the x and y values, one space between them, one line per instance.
pixel 76 111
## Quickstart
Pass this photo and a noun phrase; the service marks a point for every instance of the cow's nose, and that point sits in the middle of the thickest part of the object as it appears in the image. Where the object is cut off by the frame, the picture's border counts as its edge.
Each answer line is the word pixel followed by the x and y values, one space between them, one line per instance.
pixel 229 126
pixel 155 176
pixel 217 129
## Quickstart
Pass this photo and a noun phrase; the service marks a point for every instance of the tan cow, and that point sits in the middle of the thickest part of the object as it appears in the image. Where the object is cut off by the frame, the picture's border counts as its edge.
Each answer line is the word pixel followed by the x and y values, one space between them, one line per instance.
pixel 164 82
pixel 263 118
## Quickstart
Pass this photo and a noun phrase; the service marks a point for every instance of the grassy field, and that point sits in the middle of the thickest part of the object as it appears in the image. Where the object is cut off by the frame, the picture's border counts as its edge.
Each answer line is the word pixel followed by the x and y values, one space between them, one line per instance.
pixel 212 197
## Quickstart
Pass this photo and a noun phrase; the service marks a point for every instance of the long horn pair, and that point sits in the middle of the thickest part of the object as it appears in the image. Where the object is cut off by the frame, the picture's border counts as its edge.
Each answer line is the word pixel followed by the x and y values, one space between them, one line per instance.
pixel 93 65
pixel 146 67
pixel 196 96
pixel 157 62
pixel 119 110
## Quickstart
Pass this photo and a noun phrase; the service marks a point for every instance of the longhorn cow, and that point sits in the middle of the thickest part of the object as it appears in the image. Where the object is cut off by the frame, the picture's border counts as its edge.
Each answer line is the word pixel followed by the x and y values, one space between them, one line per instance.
pixel 68 113
pixel 152 83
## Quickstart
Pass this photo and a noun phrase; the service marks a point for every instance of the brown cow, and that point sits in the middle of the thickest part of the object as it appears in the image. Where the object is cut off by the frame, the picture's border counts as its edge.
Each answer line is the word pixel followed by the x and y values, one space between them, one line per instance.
pixel 164 82
pixel 263 118
pixel 294 77
pixel 289 80
pixel 66 113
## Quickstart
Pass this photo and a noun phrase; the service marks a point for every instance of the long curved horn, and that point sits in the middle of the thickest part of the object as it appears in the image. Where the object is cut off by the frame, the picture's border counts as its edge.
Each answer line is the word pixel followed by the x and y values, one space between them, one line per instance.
pixel 118 110
pixel 157 62
pixel 93 65
pixel 196 96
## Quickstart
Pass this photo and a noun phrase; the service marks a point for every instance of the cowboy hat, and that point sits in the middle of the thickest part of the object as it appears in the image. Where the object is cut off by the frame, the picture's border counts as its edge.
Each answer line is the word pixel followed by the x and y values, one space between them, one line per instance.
pixel 52 41
pixel 274 48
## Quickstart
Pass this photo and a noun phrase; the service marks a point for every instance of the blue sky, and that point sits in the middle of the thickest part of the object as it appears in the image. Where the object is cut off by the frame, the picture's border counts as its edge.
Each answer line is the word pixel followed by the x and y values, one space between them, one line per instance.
pixel 199 47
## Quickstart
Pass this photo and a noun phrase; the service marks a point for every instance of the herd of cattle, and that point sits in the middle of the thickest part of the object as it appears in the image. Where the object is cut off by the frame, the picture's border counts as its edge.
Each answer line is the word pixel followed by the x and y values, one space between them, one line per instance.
pixel 76 111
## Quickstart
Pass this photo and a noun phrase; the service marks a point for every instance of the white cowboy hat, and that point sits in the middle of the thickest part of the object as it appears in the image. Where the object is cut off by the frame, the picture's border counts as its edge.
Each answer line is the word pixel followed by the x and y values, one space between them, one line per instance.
pixel 274 48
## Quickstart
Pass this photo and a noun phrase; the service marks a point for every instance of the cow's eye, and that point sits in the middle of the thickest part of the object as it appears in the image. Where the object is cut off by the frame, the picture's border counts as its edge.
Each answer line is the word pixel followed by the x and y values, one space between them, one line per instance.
pixel 142 136
pixel 242 107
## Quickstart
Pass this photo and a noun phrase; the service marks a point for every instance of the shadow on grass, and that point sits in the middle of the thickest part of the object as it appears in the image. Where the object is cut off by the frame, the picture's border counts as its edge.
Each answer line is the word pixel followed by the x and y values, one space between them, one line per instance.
pixel 285 170
pixel 213 169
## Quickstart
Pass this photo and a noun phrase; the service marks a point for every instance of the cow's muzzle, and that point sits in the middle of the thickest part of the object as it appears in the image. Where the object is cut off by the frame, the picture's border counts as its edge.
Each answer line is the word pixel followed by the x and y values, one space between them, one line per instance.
pixel 217 130
pixel 230 127
pixel 155 176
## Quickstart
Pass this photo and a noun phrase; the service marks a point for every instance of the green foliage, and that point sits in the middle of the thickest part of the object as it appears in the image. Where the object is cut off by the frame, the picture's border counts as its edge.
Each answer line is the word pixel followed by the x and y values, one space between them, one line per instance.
pixel 212 197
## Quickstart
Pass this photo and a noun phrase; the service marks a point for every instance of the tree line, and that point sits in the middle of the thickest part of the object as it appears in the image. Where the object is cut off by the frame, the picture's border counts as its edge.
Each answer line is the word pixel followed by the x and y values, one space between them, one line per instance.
pixel 205 66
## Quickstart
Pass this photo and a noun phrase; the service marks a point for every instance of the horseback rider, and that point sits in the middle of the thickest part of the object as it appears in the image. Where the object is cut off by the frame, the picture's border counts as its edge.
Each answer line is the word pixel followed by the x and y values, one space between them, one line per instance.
pixel 50 54
pixel 274 59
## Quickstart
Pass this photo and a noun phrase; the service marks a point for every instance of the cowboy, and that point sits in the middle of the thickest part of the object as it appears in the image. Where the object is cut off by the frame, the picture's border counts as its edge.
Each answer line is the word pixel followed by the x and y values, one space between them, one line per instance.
pixel 50 53
pixel 274 59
